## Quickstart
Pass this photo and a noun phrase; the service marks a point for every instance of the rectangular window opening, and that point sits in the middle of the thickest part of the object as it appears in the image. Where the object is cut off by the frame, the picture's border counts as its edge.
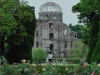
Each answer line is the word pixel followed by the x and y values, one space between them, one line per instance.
pixel 71 43
pixel 51 36
pixel 37 44
pixel 50 25
pixel 51 46
pixel 65 44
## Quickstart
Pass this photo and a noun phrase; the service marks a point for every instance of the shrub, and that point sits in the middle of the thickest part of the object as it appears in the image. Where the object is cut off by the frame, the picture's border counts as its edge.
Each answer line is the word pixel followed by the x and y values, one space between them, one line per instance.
pixel 39 55
pixel 78 50
pixel 27 69
pixel 69 69
pixel 68 60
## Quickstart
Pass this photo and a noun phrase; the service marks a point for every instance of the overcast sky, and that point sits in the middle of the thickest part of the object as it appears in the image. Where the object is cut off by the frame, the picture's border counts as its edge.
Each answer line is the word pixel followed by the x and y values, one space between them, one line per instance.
pixel 66 5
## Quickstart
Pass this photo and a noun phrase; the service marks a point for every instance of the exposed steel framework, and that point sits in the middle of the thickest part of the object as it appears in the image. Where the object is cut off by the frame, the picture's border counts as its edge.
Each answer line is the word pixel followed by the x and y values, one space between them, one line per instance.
pixel 50 11
pixel 50 7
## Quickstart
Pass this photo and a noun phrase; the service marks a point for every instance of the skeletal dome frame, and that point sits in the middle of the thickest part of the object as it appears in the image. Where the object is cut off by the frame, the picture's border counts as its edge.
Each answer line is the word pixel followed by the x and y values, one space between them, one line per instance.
pixel 50 11
pixel 50 7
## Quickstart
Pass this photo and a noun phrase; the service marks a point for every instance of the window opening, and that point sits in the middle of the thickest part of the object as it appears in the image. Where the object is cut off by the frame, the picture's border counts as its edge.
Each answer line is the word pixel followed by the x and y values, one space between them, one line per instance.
pixel 71 43
pixel 37 44
pixel 65 44
pixel 51 36
pixel 51 46
pixel 36 33
pixel 50 25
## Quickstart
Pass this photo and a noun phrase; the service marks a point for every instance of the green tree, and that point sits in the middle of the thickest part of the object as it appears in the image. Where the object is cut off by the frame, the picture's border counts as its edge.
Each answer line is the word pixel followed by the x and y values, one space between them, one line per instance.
pixel 89 13
pixel 82 32
pixel 78 50
pixel 8 23
pixel 78 29
pixel 85 34
pixel 39 55
pixel 25 17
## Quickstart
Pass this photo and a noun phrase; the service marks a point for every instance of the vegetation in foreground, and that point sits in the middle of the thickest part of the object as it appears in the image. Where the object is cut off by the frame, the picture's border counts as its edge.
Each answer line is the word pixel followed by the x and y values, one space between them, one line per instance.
pixel 25 68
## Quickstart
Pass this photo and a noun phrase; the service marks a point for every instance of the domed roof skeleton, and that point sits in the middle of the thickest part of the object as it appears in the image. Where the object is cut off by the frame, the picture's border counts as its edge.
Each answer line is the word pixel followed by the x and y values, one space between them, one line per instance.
pixel 50 7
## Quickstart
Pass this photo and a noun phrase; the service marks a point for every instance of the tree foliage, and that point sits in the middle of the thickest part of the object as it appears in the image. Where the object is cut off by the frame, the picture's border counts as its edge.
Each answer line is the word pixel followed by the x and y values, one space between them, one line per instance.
pixel 8 24
pixel 78 50
pixel 82 32
pixel 85 34
pixel 89 14
pixel 39 55
pixel 78 29
pixel 17 27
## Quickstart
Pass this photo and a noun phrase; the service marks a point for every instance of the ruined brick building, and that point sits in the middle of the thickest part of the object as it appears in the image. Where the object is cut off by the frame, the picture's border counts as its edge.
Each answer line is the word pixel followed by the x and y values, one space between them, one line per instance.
pixel 51 33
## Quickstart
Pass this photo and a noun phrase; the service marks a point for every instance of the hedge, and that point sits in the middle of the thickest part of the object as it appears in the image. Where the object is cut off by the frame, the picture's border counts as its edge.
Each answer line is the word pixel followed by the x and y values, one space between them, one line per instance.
pixel 68 60
pixel 29 69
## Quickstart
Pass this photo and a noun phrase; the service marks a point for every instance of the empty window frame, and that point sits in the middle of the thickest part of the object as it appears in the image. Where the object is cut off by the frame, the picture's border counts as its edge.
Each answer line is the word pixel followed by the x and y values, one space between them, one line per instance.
pixel 75 36
pixel 37 44
pixel 65 44
pixel 71 43
pixel 65 32
pixel 50 25
pixel 50 36
pixel 36 33
pixel 51 46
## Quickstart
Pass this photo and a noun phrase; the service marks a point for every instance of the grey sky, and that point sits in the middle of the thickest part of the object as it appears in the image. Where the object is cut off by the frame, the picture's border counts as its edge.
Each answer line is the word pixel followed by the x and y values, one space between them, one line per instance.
pixel 66 5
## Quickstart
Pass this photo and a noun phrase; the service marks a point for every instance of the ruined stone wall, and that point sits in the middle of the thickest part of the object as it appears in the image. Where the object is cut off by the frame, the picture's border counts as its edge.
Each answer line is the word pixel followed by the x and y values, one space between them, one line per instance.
pixel 51 33
pixel 59 37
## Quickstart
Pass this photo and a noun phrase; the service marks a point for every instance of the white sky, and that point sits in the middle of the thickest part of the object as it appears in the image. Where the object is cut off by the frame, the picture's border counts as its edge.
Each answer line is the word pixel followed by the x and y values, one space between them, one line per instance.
pixel 66 5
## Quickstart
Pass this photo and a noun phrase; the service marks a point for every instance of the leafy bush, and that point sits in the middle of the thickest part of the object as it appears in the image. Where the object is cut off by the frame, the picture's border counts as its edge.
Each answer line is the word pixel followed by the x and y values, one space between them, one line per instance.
pixel 68 60
pixel 28 69
pixel 78 50
pixel 39 55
